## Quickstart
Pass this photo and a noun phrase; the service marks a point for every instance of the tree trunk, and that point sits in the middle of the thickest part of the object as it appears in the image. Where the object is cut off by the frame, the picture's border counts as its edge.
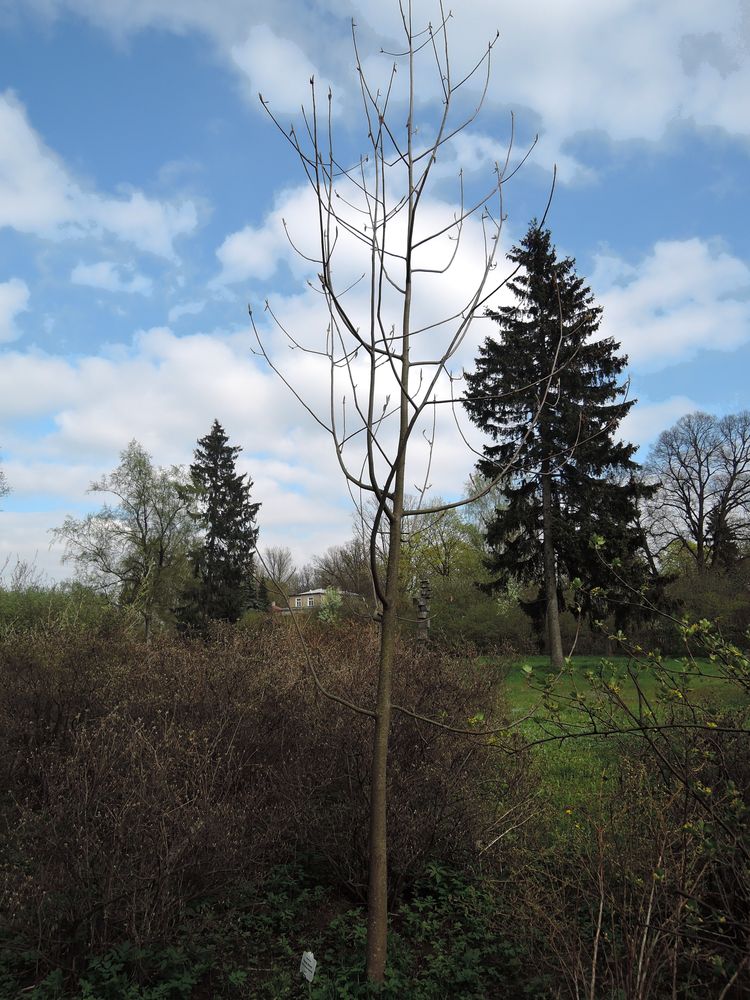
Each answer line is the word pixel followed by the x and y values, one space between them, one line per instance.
pixel 377 894
pixel 554 641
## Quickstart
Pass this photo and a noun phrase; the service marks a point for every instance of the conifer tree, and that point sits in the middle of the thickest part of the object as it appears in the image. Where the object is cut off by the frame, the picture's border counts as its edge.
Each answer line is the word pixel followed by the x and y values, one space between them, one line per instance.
pixel 548 392
pixel 222 587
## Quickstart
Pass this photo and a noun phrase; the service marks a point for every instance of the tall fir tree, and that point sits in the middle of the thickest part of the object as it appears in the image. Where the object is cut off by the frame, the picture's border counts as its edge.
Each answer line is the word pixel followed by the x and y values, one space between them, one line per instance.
pixel 550 397
pixel 223 586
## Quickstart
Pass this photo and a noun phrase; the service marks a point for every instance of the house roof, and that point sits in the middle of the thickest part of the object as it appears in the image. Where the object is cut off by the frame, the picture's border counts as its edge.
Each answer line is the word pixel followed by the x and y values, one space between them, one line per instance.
pixel 322 590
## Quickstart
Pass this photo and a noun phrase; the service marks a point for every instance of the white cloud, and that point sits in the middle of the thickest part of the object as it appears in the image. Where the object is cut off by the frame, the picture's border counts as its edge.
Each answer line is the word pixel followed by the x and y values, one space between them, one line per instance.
pixel 39 195
pixel 35 478
pixel 185 309
pixel 33 384
pixel 255 252
pixel 646 420
pixel 684 297
pixel 626 68
pixel 278 68
pixel 14 299
pixel 107 275
pixel 249 253
pixel 616 67
pixel 26 537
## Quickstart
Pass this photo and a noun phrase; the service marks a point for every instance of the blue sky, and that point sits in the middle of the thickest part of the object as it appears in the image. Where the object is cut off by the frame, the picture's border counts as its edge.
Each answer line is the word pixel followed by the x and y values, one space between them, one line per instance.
pixel 142 190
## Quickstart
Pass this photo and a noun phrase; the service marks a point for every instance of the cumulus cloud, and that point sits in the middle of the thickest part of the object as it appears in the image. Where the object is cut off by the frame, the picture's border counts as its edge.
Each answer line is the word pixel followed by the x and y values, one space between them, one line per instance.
pixel 648 419
pixel 14 299
pixel 185 309
pixel 277 68
pixel 683 297
pixel 108 275
pixel 39 195
pixel 26 537
pixel 164 391
pixel 287 234
pixel 252 252
pixel 624 68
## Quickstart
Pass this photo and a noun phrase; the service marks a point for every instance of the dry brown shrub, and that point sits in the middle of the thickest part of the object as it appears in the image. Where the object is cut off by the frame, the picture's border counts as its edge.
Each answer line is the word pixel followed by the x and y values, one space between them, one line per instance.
pixel 137 779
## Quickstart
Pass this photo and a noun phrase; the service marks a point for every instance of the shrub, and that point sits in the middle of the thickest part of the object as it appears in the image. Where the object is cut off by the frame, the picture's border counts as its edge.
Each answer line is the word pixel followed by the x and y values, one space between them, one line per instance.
pixel 137 779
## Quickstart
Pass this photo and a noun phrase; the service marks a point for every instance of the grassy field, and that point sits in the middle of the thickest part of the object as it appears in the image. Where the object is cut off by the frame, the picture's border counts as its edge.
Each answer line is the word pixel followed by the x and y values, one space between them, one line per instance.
pixel 523 696
pixel 573 771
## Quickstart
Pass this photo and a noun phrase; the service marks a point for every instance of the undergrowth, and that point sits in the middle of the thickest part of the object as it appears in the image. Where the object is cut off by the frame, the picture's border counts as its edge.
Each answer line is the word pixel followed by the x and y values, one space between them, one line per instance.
pixel 444 941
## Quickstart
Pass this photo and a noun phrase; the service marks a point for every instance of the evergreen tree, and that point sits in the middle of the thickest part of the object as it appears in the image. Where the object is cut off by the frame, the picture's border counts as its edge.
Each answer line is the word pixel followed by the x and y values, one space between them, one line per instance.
pixel 549 396
pixel 222 587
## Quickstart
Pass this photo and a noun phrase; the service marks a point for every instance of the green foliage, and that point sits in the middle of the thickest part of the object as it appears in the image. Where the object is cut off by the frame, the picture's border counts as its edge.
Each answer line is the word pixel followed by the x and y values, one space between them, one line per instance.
pixel 546 392
pixel 445 941
pixel 222 588
pixel 718 594
pixel 44 605
pixel 461 612
pixel 332 605
pixel 134 548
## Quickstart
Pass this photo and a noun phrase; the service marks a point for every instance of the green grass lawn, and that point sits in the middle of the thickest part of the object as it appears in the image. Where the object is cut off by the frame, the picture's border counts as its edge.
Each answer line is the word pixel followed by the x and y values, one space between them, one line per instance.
pixel 522 695
pixel 573 771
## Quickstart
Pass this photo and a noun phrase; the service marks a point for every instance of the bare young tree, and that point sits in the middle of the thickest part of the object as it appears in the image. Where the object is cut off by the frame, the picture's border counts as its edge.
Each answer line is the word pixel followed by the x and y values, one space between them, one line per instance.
pixel 388 356
pixel 22 575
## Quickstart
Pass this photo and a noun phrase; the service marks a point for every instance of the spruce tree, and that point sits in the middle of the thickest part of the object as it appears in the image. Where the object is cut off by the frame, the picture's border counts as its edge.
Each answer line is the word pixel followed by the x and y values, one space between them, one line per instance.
pixel 222 588
pixel 549 395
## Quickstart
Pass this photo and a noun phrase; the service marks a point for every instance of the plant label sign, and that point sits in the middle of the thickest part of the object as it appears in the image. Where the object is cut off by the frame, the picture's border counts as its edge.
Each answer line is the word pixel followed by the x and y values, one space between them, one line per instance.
pixel 307 965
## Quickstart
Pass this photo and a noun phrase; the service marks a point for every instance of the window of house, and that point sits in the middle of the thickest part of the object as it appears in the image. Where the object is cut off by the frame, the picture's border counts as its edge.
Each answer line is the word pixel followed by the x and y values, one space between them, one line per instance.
pixel 298 602
pixel 311 602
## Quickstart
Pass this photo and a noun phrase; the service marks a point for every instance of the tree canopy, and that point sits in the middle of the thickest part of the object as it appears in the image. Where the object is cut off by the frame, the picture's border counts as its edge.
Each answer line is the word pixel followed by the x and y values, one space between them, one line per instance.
pixel 547 391
pixel 222 587
pixel 701 504
pixel 134 548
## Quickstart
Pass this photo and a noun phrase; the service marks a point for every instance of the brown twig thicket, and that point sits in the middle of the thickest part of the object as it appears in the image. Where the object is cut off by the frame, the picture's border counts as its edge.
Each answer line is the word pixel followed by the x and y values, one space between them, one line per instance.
pixel 137 779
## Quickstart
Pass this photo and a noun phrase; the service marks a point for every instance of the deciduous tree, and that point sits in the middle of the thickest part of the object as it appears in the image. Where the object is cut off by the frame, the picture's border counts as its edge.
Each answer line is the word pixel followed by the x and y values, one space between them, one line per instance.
pixel 701 506
pixel 388 367
pixel 277 570
pixel 135 547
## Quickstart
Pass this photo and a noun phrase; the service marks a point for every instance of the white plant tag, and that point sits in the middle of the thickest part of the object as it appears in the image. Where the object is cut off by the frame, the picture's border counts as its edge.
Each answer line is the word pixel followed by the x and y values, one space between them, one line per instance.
pixel 307 965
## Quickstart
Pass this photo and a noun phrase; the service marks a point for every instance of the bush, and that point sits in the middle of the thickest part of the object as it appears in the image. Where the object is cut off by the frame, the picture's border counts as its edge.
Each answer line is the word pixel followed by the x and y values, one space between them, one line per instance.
pixel 137 779
pixel 40 606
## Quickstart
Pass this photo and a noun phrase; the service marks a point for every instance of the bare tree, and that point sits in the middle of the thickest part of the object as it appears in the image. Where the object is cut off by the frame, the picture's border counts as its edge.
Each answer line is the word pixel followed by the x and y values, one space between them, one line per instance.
pixel 278 572
pixel 23 575
pixel 346 567
pixel 390 368
pixel 702 505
